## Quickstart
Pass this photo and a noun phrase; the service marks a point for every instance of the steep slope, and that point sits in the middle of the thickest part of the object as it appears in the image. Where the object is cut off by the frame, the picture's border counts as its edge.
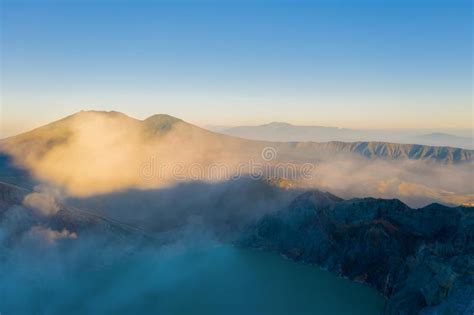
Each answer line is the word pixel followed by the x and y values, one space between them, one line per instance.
pixel 99 152
pixel 23 211
pixel 393 151
pixel 422 260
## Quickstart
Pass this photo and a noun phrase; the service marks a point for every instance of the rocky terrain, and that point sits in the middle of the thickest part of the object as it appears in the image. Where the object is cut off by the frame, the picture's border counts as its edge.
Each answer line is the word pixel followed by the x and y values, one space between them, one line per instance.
pixel 421 260
pixel 28 213
pixel 389 151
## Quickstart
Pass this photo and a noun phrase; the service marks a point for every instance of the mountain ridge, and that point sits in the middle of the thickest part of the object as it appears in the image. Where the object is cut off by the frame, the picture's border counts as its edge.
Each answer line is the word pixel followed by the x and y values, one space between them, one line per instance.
pixel 162 123
pixel 283 131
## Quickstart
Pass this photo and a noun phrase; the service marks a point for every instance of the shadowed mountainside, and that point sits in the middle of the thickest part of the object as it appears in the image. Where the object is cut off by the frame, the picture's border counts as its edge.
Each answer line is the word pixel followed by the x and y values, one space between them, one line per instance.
pixel 24 212
pixel 422 260
pixel 220 209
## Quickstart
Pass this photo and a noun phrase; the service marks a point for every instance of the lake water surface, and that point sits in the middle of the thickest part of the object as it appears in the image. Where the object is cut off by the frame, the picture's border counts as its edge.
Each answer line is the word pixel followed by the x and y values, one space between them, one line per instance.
pixel 213 280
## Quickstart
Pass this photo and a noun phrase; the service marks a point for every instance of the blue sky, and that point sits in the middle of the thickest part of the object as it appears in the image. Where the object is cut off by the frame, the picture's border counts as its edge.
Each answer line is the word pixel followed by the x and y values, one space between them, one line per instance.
pixel 370 64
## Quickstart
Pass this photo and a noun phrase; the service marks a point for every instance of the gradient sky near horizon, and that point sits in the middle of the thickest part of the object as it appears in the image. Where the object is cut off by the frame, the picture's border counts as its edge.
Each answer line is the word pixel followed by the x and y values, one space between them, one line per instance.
pixel 346 63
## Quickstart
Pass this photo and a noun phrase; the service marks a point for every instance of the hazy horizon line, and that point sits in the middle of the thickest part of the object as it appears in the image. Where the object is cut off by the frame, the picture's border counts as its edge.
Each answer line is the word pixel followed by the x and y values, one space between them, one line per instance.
pixel 20 128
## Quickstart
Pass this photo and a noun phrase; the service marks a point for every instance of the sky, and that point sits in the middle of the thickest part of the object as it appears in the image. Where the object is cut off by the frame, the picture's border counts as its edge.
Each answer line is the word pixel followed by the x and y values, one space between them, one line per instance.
pixel 345 63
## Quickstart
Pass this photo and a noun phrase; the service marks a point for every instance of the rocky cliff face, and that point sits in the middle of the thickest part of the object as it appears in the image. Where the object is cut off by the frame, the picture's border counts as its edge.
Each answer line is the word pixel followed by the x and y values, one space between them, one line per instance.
pixel 422 260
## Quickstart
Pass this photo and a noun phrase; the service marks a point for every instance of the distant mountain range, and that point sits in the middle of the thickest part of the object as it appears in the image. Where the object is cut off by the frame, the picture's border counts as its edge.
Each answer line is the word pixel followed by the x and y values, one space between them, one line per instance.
pixel 280 131
pixel 94 152
pixel 297 139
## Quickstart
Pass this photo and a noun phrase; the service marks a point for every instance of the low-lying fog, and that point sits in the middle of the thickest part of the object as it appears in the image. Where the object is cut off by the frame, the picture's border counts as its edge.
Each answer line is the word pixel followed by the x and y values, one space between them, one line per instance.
pixel 53 270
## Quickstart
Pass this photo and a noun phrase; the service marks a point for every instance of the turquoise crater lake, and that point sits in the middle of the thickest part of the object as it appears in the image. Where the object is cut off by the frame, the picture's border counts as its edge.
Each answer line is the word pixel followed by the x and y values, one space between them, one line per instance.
pixel 211 280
